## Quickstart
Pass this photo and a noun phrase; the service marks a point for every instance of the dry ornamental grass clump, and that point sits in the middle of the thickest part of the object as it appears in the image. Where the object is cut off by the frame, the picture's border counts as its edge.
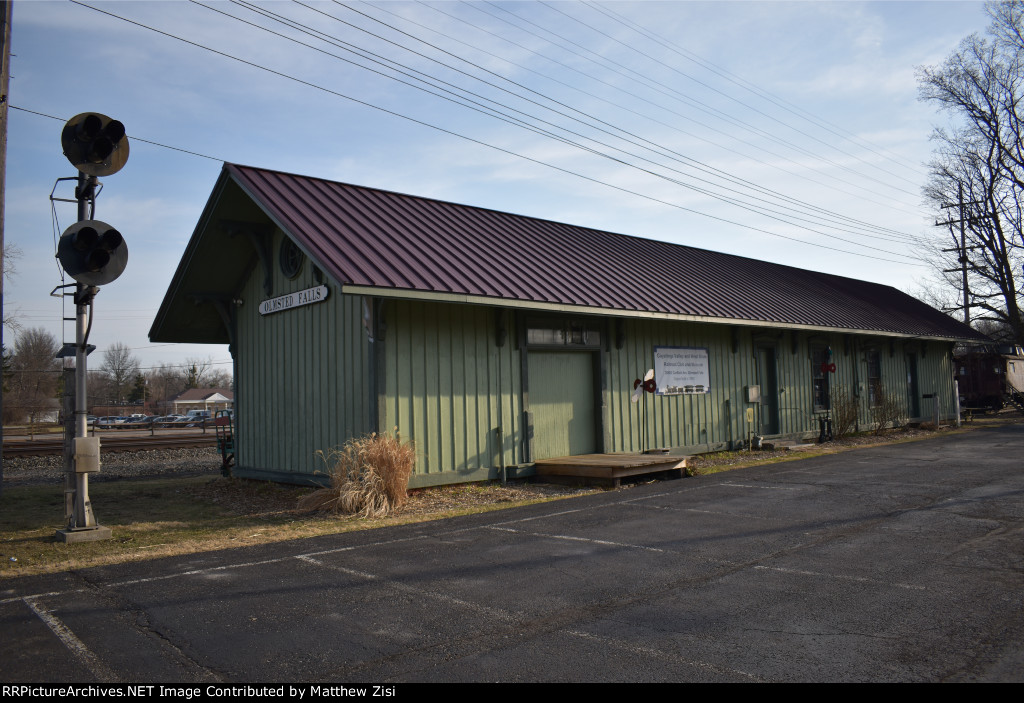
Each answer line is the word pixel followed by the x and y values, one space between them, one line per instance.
pixel 369 477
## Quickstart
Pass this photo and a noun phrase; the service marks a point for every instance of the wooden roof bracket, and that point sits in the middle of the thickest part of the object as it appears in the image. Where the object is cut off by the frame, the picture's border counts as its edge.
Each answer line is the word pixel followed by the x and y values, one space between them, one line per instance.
pixel 374 323
pixel 500 328
pixel 915 345
pixel 260 236
pixel 765 338
pixel 225 307
pixel 819 341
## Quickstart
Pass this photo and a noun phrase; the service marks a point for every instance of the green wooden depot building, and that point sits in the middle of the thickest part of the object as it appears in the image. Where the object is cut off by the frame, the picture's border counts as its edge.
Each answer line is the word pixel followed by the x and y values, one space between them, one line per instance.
pixel 493 340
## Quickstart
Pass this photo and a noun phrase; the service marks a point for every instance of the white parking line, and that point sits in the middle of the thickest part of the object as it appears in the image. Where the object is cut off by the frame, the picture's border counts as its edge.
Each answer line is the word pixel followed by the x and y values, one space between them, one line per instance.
pixel 774 488
pixel 84 655
pixel 840 577
pixel 482 609
pixel 602 542
pixel 660 654
pixel 514 618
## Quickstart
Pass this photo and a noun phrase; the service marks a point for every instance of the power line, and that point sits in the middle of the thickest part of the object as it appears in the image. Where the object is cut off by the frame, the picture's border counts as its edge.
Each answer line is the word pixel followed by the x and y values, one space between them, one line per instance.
pixel 756 208
pixel 672 126
pixel 723 93
pixel 642 142
pixel 133 138
pixel 474 140
pixel 667 91
pixel 752 88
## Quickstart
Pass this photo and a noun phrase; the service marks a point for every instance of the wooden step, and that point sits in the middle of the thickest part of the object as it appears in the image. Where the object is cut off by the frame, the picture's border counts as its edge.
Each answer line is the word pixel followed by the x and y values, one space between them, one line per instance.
pixel 609 469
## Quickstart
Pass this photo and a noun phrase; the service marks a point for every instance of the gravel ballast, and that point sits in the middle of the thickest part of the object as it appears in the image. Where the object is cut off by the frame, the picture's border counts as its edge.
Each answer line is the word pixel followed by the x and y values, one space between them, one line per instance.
pixel 38 470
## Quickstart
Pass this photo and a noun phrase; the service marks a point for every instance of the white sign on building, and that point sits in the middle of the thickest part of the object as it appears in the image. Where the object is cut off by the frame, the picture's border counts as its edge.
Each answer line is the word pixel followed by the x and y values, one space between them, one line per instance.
pixel 294 300
pixel 682 370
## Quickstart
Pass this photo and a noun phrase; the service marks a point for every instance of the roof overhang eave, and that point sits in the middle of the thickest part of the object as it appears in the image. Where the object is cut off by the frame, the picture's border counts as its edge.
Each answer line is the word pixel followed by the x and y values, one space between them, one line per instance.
pixel 157 331
pixel 467 299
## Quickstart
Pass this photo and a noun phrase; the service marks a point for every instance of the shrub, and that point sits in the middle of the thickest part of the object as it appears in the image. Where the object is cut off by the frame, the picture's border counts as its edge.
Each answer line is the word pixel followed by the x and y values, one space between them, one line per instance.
pixel 888 411
pixel 369 476
pixel 844 411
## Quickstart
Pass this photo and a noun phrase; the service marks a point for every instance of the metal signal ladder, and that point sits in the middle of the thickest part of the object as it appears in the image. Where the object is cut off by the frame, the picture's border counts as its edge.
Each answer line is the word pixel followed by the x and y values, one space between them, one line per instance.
pixel 224 424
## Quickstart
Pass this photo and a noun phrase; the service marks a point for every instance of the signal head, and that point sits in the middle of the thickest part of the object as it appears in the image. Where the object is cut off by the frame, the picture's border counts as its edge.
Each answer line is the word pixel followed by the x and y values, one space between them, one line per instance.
pixel 95 144
pixel 92 252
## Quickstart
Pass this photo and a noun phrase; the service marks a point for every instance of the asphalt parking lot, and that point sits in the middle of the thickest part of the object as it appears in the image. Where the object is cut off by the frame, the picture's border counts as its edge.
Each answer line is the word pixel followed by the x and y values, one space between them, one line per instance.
pixel 897 563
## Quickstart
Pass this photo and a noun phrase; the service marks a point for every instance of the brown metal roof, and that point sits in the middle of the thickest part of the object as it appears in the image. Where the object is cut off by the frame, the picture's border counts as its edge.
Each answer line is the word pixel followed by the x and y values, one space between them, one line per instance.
pixel 377 239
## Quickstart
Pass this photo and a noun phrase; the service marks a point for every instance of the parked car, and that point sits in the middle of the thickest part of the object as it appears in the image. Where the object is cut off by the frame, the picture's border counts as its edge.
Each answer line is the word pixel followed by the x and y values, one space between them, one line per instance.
pixel 109 422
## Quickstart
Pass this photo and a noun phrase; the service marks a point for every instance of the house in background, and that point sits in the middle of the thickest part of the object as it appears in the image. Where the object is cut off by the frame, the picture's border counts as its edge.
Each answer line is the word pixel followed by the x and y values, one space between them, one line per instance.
pixel 493 340
pixel 209 399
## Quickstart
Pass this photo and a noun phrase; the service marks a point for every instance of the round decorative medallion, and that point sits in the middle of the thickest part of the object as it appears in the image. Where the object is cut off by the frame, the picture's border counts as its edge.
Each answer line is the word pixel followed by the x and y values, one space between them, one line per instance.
pixel 290 258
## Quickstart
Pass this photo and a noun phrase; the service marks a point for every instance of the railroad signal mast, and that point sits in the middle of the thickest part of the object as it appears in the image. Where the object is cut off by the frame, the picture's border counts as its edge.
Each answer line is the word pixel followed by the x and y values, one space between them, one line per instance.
pixel 94 254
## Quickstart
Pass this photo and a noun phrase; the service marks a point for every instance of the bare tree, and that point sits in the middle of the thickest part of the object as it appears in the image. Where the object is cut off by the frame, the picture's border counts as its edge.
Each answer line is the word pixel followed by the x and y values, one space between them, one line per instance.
pixel 35 376
pixel 10 255
pixel 119 369
pixel 980 155
pixel 201 373
pixel 164 382
pixel 219 378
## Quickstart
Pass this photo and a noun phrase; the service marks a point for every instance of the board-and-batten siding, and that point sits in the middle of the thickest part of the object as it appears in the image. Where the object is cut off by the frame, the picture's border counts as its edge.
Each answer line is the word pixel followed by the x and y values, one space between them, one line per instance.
pixel 303 382
pixel 701 421
pixel 449 388
pixel 717 419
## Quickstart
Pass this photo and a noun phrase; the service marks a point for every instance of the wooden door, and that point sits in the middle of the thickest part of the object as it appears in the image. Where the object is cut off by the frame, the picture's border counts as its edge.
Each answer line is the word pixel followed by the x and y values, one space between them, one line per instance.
pixel 767 377
pixel 561 404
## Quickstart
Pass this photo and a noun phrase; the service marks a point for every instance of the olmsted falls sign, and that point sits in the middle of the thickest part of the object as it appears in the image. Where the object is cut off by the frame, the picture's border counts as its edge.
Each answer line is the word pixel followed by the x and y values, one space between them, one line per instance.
pixel 294 300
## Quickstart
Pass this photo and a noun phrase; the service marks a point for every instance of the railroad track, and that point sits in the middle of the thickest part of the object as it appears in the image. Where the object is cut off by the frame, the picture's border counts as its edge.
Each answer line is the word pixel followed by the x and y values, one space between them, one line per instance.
pixel 43 447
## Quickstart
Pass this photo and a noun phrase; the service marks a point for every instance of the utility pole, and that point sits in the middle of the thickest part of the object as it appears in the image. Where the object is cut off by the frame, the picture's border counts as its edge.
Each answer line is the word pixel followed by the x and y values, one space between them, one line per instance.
pixel 5 74
pixel 962 249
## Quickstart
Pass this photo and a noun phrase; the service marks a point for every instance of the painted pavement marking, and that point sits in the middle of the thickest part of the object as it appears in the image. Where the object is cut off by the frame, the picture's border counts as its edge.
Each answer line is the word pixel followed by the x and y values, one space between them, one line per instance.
pixel 481 609
pixel 76 646
pixel 602 542
pixel 513 618
pixel 659 654
pixel 839 577
pixel 773 488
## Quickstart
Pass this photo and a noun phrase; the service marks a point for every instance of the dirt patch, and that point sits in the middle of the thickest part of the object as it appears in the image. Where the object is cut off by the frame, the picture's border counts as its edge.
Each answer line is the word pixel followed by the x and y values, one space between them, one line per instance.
pixel 267 500
pixel 262 499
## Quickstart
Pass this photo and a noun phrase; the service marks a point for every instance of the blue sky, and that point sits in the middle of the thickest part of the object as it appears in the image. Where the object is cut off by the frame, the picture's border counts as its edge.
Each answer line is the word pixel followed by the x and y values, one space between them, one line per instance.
pixel 807 105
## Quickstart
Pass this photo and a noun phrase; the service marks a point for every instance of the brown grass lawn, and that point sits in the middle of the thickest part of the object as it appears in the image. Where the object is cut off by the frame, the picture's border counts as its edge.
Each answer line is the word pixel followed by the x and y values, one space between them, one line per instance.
pixel 157 517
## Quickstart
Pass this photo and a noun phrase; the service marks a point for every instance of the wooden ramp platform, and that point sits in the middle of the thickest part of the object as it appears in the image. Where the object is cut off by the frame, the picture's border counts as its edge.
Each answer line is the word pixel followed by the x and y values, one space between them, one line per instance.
pixel 608 469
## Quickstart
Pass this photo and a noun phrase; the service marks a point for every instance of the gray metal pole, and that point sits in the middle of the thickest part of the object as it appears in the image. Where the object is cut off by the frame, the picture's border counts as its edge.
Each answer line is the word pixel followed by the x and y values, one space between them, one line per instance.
pixel 83 507
pixel 83 525
pixel 68 408
pixel 956 399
